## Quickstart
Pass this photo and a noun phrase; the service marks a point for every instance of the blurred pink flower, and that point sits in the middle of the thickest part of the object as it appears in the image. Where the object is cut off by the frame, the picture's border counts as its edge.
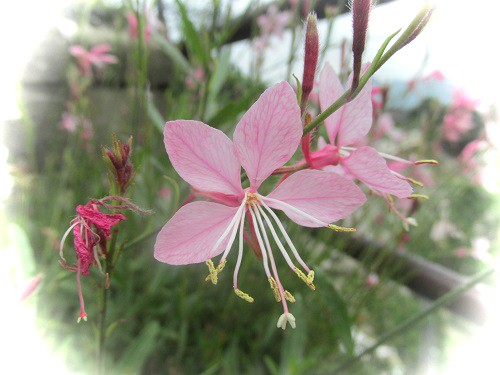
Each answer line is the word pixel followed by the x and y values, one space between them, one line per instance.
pixel 266 137
pixel 372 279
pixel 133 27
pixel 273 22
pixel 97 56
pixel 385 126
pixel 69 122
pixel 196 77
pixel 458 121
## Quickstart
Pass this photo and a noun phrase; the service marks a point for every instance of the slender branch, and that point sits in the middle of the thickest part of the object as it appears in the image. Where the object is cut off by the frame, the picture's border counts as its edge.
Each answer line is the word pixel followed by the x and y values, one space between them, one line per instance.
pixel 440 302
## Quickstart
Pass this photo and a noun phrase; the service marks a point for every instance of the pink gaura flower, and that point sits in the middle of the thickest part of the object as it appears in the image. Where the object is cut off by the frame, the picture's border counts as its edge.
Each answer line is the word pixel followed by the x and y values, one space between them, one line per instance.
pixel 133 26
pixel 98 56
pixel 349 126
pixel 91 228
pixel 266 138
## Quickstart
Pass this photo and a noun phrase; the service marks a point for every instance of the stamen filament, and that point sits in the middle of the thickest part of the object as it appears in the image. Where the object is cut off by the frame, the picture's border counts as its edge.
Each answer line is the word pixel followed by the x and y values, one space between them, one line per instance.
pixel 286 236
pixel 307 216
pixel 240 253
pixel 271 258
pixel 226 232
pixel 63 239
pixel 261 244
pixel 275 236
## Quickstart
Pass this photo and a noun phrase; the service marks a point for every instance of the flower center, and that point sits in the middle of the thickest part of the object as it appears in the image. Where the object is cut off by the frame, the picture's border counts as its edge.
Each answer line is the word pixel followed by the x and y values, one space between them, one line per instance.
pixel 252 199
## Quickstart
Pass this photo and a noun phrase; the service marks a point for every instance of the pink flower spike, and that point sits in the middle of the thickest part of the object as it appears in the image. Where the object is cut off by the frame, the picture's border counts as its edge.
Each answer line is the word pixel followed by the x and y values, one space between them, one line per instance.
pixel 191 234
pixel 369 167
pixel 326 196
pixel 268 134
pixel 203 156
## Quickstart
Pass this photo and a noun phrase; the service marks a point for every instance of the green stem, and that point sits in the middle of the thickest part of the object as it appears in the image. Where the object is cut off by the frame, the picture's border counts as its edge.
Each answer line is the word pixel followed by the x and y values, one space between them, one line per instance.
pixel 440 302
pixel 379 60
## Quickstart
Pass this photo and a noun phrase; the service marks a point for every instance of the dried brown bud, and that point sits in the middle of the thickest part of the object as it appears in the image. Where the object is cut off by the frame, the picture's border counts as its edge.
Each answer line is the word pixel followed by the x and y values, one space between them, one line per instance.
pixel 119 163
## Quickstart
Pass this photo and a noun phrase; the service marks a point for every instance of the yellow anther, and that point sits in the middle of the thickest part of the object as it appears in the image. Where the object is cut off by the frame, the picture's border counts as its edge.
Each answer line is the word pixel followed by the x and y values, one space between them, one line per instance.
pixel 289 297
pixel 307 279
pixel 415 182
pixel 221 266
pixel 310 276
pixel 243 295
pixel 214 271
pixel 426 161
pixel 274 287
pixel 341 229
pixel 421 196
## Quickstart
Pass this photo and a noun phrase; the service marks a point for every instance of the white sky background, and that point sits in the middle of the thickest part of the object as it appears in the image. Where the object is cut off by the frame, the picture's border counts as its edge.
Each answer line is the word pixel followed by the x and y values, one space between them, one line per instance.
pixel 461 41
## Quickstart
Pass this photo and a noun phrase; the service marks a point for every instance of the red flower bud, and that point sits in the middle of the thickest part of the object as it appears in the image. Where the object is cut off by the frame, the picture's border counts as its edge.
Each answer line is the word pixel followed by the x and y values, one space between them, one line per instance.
pixel 310 59
pixel 360 15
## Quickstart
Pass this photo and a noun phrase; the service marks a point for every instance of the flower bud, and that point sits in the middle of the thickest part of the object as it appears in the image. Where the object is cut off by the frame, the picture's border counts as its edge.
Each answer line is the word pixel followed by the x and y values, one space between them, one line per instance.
pixel 360 15
pixel 310 59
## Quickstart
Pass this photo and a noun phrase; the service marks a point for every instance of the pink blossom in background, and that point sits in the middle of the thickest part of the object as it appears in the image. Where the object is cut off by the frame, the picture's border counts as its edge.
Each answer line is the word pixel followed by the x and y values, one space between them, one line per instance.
pixel 348 126
pixel 69 122
pixel 435 75
pixel 459 121
pixel 385 126
pixel 133 26
pixel 196 77
pixel 266 138
pixel 372 279
pixel 97 56
pixel 273 22
pixel 462 252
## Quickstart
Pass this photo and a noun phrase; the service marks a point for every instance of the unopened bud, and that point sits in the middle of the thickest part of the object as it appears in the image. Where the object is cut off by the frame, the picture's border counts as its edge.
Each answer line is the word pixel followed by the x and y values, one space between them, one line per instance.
pixel 360 15
pixel 420 27
pixel 310 59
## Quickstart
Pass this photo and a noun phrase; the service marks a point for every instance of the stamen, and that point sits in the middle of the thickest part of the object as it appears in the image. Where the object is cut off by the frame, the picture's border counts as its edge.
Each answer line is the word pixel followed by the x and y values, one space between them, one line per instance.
pixel 236 217
pixel 275 236
pixel 421 196
pixel 240 255
pixel 285 235
pixel 274 287
pixel 261 245
pixel 409 179
pixel 307 216
pixel 426 161
pixel 307 279
pixel 63 239
pixel 214 271
pixel 243 295
pixel 289 297
pixel 226 232
pixel 271 258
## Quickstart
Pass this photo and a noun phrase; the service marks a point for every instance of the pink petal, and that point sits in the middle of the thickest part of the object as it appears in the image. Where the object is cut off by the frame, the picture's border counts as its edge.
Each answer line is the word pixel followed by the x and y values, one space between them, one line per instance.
pixel 325 196
pixel 330 89
pixel 357 117
pixel 107 59
pixel 100 49
pixel 268 134
pixel 352 121
pixel 190 235
pixel 203 156
pixel 78 50
pixel 369 167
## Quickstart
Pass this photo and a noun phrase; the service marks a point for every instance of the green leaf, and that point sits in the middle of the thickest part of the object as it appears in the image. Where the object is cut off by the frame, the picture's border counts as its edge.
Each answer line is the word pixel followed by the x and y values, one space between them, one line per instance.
pixel 219 77
pixel 173 52
pixel 193 40
pixel 340 318
pixel 139 351
pixel 299 89
pixel 155 116
pixel 231 110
